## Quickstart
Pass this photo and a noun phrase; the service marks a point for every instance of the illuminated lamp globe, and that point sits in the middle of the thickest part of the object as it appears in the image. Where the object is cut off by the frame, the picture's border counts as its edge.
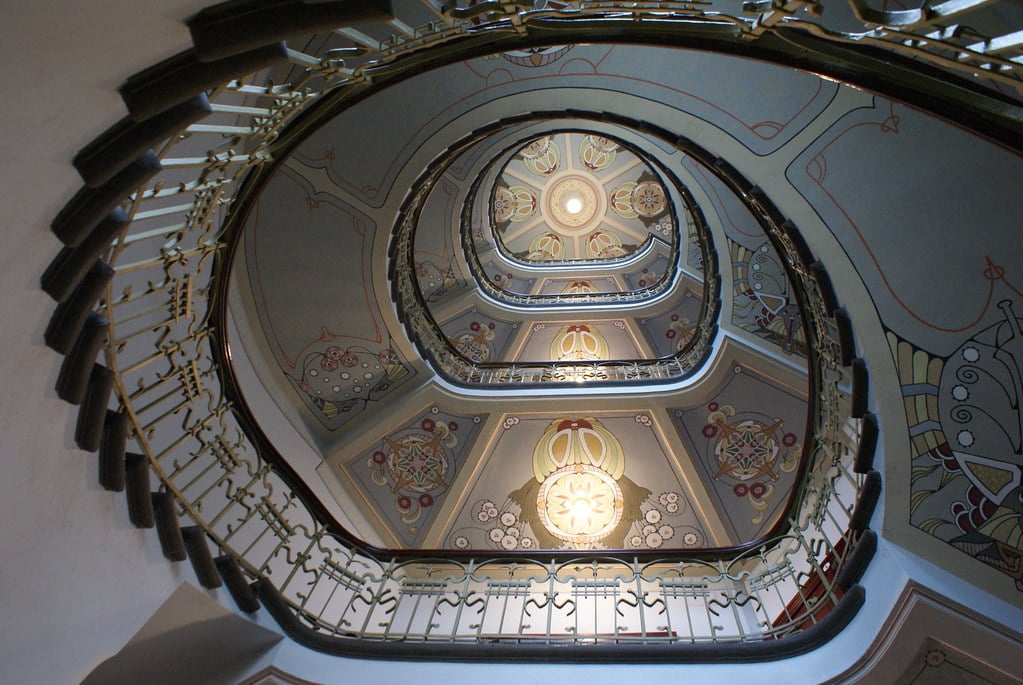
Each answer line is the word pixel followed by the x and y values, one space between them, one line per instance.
pixel 582 508
pixel 572 202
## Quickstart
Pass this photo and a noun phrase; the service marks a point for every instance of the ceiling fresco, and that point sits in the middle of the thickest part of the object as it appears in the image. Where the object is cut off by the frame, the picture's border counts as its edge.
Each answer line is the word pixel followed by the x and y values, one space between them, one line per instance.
pixel 747 457
pixel 761 293
pixel 955 342
pixel 573 477
pixel 456 213
pixel 407 474
pixel 331 344
pixel 965 422
pixel 706 463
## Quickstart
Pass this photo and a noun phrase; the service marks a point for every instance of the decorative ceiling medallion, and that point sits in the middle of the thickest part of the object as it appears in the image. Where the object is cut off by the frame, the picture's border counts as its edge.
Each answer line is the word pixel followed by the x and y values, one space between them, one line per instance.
pixel 648 199
pixel 580 504
pixel 474 345
pixel 583 441
pixel 416 462
pixel 572 203
pixel 602 197
pixel 747 449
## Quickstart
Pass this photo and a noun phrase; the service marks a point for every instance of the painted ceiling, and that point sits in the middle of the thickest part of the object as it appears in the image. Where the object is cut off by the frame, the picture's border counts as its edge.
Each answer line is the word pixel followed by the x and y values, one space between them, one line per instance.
pixel 707 461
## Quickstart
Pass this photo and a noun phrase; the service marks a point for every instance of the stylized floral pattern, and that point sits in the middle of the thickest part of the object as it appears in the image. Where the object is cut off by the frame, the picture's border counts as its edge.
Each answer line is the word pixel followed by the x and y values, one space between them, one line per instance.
pixel 343 380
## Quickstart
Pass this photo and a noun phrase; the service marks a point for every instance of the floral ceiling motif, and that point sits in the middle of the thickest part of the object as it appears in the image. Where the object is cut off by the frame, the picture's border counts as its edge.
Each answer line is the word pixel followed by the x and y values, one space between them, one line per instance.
pixel 748 458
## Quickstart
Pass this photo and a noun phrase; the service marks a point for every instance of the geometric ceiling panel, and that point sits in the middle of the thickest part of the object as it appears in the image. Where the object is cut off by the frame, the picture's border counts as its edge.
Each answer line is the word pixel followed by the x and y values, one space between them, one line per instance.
pixel 578 197
pixel 746 442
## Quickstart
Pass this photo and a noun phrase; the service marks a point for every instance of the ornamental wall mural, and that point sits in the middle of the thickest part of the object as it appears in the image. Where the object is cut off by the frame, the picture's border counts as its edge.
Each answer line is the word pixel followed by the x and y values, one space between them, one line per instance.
pixel 966 425
pixel 762 301
pixel 748 458
pixel 327 337
pixel 955 341
pixel 406 475
pixel 585 483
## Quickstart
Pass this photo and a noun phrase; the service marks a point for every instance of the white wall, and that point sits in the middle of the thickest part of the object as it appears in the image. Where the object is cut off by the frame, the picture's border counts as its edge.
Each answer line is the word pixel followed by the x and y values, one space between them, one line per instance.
pixel 77 579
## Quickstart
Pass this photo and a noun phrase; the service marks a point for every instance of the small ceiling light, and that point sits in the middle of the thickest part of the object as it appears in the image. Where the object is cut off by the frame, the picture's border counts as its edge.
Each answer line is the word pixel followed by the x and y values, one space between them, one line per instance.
pixel 582 508
pixel 572 202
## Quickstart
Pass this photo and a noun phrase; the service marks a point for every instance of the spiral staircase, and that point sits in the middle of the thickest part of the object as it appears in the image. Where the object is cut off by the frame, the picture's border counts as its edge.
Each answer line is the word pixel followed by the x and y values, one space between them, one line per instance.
pixel 233 457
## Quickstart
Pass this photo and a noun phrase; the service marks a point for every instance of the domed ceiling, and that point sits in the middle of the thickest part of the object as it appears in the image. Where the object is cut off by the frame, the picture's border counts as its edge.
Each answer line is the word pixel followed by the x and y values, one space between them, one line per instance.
pixel 592 342
pixel 542 312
